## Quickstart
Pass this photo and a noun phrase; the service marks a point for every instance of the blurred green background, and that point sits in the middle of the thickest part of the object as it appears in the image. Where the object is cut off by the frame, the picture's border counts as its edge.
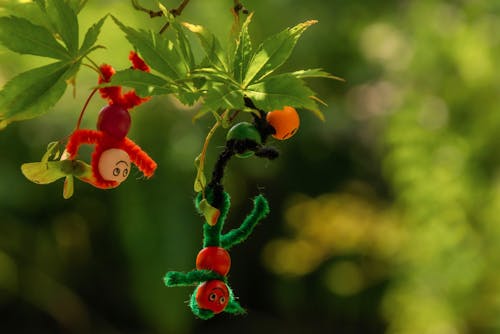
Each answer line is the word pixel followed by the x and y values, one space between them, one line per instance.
pixel 385 218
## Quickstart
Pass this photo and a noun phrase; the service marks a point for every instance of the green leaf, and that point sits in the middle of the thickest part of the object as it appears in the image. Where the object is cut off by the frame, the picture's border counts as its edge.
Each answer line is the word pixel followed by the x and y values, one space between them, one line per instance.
pixel 44 172
pixel 210 213
pixel 77 5
pixel 273 52
pixel 91 36
pixel 41 4
pixel 21 36
pixel 158 52
pixel 52 151
pixel 243 52
pixel 33 92
pixel 223 97
pixel 68 187
pixel 184 46
pixel 65 22
pixel 211 45
pixel 314 73
pixel 282 90
pixel 144 83
pixel 201 181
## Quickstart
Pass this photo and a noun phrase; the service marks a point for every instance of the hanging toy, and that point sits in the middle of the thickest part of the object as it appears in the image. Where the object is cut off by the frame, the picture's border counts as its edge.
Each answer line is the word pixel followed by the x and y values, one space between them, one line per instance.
pixel 213 294
pixel 113 153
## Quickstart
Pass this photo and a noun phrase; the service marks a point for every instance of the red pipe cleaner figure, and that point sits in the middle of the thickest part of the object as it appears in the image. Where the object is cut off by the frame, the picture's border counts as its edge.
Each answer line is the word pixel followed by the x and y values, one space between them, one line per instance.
pixel 114 152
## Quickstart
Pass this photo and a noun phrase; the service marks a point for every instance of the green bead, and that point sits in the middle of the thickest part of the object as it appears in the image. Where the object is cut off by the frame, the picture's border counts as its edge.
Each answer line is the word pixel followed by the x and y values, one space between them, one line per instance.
pixel 242 131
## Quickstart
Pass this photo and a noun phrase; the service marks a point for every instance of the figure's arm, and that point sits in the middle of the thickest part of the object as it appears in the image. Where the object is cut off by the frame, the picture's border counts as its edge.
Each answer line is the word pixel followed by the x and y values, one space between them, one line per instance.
pixel 79 137
pixel 260 210
pixel 140 158
pixel 176 278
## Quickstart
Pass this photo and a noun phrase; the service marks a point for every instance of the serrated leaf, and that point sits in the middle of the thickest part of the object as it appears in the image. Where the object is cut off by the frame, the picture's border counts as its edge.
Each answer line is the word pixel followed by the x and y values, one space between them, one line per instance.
pixel 282 90
pixel 158 52
pixel 223 97
pixel 91 36
pixel 211 45
pixel 77 5
pixel 184 46
pixel 24 37
pixel 65 22
pixel 144 83
pixel 314 73
pixel 33 92
pixel 273 52
pixel 244 52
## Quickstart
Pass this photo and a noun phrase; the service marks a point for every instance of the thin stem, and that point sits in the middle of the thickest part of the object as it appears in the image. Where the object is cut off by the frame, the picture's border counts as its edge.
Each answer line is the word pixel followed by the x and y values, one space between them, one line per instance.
pixel 203 153
pixel 85 107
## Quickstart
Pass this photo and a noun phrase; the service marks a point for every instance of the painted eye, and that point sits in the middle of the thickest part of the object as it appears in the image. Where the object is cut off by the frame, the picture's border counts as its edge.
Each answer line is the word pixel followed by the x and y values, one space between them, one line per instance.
pixel 212 295
pixel 114 165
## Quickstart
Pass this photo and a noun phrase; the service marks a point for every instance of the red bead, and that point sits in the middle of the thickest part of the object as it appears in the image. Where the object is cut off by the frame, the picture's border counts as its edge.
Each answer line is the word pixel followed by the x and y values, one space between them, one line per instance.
pixel 114 120
pixel 214 258
pixel 212 295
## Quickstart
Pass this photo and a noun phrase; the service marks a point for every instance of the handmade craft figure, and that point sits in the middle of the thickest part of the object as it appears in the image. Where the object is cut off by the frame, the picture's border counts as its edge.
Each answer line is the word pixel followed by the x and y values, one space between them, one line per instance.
pixel 113 153
pixel 213 293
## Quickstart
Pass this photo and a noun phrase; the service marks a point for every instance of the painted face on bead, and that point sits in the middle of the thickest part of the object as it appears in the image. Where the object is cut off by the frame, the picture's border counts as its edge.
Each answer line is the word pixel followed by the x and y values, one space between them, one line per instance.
pixel 213 296
pixel 114 165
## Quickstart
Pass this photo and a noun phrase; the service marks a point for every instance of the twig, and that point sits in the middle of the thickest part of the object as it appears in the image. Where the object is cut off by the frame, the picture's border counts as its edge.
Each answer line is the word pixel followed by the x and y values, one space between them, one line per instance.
pixel 175 12
pixel 150 12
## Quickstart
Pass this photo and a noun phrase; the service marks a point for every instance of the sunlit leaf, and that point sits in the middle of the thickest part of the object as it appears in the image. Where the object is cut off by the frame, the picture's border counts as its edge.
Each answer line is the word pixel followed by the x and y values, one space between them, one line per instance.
pixel 145 84
pixel 211 45
pixel 243 52
pixel 44 172
pixel 315 73
pixel 224 97
pixel 22 36
pixel 91 36
pixel 273 52
pixel 33 92
pixel 184 46
pixel 158 52
pixel 282 90
pixel 64 19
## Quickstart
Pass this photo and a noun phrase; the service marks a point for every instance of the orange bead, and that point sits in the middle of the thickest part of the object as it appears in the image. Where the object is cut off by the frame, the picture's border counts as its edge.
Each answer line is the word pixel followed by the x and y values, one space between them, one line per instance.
pixel 285 122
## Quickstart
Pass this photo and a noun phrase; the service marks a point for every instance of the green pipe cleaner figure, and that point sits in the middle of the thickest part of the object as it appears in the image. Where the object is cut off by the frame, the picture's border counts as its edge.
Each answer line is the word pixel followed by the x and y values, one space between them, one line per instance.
pixel 213 294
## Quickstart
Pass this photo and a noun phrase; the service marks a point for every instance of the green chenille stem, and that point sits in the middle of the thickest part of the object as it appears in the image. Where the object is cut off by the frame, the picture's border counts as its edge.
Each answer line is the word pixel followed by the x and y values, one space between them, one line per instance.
pixel 176 278
pixel 212 234
pixel 238 235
